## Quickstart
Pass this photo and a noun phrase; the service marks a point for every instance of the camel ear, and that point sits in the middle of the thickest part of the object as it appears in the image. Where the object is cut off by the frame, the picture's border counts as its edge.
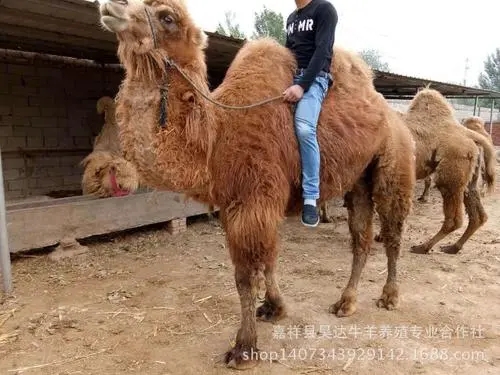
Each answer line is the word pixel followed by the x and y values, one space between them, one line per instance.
pixel 199 38
pixel 188 96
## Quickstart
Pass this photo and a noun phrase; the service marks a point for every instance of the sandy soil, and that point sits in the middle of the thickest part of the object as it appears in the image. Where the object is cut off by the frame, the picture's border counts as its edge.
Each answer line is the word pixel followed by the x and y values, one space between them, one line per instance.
pixel 146 302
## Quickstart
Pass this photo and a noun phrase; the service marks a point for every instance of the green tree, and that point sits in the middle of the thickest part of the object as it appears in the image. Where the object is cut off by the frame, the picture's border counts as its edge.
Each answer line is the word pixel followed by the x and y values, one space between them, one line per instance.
pixel 374 59
pixel 268 23
pixel 490 78
pixel 231 29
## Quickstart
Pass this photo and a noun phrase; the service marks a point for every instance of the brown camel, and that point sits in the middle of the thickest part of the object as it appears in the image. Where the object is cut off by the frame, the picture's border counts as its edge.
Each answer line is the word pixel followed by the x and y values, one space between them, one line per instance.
pixel 247 162
pixel 106 173
pixel 452 153
pixel 473 123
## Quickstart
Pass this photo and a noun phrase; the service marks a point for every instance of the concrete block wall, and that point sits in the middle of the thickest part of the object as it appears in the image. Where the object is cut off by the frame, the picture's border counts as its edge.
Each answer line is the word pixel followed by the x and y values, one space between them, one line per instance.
pixel 48 121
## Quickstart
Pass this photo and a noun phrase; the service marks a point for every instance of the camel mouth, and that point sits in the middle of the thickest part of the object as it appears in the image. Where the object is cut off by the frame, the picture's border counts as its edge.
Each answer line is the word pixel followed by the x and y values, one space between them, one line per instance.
pixel 113 16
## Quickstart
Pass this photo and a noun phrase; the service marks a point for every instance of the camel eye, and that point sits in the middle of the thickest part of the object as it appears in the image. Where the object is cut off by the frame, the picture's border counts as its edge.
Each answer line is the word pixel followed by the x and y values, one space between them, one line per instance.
pixel 167 19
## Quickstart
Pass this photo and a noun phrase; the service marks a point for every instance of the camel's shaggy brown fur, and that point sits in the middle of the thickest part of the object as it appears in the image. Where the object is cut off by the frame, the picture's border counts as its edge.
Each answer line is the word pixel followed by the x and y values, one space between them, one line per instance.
pixel 473 123
pixel 247 161
pixel 106 173
pixel 452 153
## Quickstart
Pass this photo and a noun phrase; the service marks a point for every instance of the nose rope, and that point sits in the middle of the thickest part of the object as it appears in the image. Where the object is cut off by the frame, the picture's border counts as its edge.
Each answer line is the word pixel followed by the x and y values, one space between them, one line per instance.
pixel 152 27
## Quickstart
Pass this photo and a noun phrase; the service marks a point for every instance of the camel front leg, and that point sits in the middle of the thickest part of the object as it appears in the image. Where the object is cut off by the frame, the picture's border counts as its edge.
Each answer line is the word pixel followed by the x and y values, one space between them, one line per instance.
pixel 252 244
pixel 244 354
pixel 391 234
pixel 360 211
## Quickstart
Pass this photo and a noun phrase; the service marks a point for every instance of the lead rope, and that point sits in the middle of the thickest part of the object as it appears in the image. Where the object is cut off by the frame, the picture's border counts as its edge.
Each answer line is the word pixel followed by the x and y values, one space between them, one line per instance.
pixel 164 89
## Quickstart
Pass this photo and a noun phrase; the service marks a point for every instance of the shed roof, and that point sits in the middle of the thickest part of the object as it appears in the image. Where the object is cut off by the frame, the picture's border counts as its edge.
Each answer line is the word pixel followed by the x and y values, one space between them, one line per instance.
pixel 71 28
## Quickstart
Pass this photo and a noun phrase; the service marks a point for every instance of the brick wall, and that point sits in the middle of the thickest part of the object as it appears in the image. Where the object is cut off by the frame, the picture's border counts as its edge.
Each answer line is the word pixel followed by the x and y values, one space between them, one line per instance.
pixel 48 120
pixel 495 133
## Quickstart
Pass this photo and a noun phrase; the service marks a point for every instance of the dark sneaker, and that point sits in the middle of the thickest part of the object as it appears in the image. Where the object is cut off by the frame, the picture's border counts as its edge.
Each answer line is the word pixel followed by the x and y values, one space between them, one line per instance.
pixel 310 217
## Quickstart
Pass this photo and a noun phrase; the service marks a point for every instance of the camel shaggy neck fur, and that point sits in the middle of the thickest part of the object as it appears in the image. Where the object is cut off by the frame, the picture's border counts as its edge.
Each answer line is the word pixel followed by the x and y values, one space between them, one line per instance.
pixel 247 161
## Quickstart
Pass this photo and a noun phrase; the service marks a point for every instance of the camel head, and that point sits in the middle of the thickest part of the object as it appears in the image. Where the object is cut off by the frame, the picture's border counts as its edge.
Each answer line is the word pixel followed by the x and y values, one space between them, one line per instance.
pixel 474 123
pixel 106 175
pixel 151 26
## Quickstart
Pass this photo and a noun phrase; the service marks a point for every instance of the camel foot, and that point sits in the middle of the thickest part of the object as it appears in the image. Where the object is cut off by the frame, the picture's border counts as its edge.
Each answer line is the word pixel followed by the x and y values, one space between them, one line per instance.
pixel 450 249
pixel 346 306
pixel 378 238
pixel 390 297
pixel 420 249
pixel 241 358
pixel 270 312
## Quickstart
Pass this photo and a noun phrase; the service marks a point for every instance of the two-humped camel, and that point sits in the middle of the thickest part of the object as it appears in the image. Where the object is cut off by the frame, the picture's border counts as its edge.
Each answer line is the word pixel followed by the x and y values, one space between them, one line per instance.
pixel 452 153
pixel 247 162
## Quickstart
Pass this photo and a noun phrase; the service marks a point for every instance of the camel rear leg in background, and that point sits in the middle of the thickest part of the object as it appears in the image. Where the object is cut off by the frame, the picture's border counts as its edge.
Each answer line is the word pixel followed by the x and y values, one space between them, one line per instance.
pixel 425 193
pixel 360 219
pixel 475 212
pixel 324 217
pixel 450 179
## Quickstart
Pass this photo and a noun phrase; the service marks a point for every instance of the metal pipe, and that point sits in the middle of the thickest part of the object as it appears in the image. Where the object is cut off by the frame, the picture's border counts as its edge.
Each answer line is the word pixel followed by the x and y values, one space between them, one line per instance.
pixel 4 242
pixel 475 105
pixel 491 115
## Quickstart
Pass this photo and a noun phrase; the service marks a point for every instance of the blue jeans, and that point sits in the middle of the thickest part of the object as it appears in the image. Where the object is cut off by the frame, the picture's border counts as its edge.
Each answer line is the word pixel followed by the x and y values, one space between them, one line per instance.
pixel 307 111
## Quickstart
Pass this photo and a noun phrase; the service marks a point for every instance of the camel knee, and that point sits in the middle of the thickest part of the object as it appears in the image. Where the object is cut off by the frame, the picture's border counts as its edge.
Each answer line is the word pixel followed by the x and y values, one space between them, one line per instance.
pixel 452 224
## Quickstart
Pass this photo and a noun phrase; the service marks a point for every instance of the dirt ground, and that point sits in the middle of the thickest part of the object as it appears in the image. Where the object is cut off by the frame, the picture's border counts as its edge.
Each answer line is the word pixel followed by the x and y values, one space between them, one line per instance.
pixel 146 302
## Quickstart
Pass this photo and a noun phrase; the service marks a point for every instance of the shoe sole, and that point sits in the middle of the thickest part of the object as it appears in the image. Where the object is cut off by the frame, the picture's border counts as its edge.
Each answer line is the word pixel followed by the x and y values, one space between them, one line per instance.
pixel 310 225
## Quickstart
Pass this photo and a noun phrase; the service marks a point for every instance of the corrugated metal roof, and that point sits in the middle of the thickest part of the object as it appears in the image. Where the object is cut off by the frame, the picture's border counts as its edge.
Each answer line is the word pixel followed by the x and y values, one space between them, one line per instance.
pixel 393 85
pixel 72 28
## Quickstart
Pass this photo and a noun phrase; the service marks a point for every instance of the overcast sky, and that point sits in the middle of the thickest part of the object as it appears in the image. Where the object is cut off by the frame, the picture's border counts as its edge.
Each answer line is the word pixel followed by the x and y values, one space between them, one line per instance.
pixel 425 38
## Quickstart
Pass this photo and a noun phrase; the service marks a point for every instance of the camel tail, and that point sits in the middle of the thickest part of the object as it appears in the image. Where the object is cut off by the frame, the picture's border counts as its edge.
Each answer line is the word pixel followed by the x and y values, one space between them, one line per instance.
pixel 489 157
pixel 104 104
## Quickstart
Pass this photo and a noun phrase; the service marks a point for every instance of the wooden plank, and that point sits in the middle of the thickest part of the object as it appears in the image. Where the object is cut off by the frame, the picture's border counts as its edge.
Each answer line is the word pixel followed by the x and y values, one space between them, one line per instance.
pixel 46 225
pixel 51 202
pixel 73 27
pixel 81 11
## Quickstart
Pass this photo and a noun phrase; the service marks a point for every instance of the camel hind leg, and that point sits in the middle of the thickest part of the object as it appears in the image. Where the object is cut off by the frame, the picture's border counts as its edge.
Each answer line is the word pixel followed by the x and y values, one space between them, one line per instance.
pixel 475 212
pixel 425 194
pixel 360 219
pixel 323 209
pixel 273 308
pixel 451 177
